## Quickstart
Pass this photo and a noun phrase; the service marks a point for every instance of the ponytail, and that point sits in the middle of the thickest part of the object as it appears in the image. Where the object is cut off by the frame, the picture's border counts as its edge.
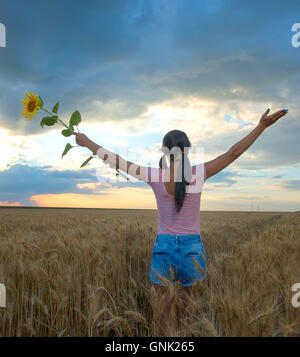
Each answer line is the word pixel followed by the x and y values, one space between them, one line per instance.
pixel 179 140
pixel 163 162
pixel 184 178
pixel 180 187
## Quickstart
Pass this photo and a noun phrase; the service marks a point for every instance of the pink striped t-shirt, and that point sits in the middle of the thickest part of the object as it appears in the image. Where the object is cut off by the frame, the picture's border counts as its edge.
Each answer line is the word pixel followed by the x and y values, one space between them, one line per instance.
pixel 187 220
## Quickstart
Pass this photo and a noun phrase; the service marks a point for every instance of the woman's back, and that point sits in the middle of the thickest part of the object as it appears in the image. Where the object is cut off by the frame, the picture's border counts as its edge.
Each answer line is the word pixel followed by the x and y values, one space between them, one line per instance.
pixel 187 220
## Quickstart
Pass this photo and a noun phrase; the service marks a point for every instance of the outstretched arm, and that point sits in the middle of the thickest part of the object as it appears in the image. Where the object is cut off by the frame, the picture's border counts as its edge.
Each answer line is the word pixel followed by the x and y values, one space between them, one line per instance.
pixel 218 164
pixel 114 160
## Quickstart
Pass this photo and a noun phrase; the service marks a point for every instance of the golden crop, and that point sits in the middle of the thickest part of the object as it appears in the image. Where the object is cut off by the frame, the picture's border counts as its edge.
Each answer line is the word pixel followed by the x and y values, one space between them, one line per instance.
pixel 81 272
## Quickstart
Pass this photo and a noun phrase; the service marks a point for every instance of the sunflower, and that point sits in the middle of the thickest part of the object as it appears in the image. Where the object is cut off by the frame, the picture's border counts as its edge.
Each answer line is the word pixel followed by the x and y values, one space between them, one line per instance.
pixel 30 105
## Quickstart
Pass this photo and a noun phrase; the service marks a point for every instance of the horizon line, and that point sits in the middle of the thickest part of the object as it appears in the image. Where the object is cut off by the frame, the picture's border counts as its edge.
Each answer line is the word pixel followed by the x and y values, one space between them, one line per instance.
pixel 140 209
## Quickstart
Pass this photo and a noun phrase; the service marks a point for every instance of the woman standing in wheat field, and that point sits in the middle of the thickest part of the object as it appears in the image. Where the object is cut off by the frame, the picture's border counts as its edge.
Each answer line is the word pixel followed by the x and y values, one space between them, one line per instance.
pixel 178 253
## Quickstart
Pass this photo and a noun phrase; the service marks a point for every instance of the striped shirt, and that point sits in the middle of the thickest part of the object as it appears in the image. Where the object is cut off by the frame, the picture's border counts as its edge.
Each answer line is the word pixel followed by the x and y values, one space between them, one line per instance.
pixel 187 220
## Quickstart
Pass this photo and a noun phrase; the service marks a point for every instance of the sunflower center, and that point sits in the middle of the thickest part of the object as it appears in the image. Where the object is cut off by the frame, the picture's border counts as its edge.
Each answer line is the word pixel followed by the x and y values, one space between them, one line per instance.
pixel 31 105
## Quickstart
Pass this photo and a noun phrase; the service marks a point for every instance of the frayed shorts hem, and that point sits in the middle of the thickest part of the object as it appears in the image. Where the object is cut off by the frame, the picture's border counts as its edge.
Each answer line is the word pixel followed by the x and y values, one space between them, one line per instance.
pixel 189 284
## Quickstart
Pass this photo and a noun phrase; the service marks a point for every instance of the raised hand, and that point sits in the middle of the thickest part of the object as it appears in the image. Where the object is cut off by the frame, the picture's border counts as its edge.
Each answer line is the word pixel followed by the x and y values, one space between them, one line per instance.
pixel 269 119
pixel 81 139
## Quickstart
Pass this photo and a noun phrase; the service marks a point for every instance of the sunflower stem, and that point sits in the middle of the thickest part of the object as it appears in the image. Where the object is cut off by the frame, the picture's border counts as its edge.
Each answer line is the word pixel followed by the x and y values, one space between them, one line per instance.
pixel 58 120
pixel 62 123
pixel 45 110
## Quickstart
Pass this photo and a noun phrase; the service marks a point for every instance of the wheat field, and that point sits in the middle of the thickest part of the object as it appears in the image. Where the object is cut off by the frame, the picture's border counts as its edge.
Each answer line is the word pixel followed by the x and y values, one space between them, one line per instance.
pixel 84 272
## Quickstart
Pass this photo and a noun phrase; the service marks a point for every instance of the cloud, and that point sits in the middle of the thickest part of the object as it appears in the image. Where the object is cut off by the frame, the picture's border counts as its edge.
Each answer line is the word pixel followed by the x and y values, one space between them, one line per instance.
pixel 291 185
pixel 142 68
pixel 246 198
pixel 223 179
pixel 6 203
pixel 20 182
pixel 132 54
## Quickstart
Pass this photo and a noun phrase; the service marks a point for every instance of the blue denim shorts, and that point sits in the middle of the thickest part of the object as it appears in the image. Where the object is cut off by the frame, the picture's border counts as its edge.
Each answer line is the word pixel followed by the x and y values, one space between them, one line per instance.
pixel 177 252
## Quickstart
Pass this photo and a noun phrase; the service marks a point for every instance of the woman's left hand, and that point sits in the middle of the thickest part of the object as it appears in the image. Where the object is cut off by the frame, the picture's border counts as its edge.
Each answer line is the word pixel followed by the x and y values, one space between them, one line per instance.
pixel 269 119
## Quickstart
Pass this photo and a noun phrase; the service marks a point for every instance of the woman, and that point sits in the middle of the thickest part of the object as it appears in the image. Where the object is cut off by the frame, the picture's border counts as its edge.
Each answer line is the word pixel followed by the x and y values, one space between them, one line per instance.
pixel 178 252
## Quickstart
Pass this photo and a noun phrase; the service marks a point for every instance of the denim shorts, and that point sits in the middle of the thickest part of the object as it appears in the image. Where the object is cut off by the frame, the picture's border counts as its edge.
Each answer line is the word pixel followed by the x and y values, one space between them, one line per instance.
pixel 177 252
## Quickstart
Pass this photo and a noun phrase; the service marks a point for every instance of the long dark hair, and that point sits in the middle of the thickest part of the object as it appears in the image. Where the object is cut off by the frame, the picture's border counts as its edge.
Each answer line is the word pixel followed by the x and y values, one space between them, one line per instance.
pixel 179 140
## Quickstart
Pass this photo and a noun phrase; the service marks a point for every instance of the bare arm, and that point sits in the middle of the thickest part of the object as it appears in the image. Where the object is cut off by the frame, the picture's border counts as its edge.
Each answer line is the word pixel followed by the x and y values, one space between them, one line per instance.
pixel 218 164
pixel 114 160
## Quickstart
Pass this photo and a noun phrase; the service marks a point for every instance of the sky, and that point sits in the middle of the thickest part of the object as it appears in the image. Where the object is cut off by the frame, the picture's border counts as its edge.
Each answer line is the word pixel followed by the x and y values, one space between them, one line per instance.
pixel 136 69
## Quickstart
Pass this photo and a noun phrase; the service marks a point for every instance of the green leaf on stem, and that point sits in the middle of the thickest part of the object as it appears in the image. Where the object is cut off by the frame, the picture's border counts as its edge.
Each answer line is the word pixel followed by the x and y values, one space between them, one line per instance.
pixel 66 132
pixel 75 118
pixel 55 108
pixel 49 121
pixel 87 160
pixel 40 102
pixel 67 148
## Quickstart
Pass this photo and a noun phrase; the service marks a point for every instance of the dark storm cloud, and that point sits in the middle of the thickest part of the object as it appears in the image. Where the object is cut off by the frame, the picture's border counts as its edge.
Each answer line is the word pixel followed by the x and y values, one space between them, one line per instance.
pixel 139 52
pixel 144 51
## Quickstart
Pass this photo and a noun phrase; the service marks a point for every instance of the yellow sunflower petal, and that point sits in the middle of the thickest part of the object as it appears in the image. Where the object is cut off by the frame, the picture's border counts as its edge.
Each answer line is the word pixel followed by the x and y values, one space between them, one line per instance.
pixel 30 105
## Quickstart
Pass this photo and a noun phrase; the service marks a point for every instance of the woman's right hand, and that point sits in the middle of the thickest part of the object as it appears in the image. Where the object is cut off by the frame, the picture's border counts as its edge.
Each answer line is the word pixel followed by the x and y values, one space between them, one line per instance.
pixel 81 139
pixel 269 119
